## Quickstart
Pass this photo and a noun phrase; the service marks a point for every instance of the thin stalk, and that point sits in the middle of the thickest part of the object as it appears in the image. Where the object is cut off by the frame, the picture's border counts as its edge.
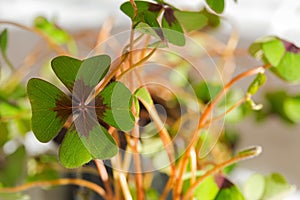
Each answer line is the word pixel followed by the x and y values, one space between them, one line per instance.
pixel 101 85
pixel 233 107
pixel 226 88
pixel 54 46
pixel 202 122
pixel 7 61
pixel 167 188
pixel 64 181
pixel 124 186
pixel 139 63
pixel 23 70
pixel 256 151
pixel 228 54
pixel 120 177
pixel 193 164
pixel 137 159
pixel 134 7
pixel 164 135
pixel 131 42
pixel 105 178
pixel 138 170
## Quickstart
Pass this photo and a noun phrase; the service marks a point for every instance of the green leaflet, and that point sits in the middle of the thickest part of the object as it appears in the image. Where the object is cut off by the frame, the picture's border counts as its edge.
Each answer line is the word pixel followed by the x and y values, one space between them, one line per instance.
pixel 43 97
pixel 51 108
pixel 282 55
pixel 216 5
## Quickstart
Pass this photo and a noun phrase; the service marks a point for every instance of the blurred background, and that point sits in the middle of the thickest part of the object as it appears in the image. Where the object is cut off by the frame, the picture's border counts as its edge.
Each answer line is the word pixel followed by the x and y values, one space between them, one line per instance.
pixel 251 19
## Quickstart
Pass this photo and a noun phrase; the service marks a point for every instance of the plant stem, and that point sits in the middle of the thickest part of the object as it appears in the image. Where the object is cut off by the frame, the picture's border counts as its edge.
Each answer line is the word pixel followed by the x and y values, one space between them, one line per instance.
pixel 120 177
pixel 226 88
pixel 107 79
pixel 233 107
pixel 167 188
pixel 164 135
pixel 23 70
pixel 193 164
pixel 54 46
pixel 7 61
pixel 134 7
pixel 139 63
pixel 202 121
pixel 137 159
pixel 105 178
pixel 64 181
pixel 124 186
pixel 218 167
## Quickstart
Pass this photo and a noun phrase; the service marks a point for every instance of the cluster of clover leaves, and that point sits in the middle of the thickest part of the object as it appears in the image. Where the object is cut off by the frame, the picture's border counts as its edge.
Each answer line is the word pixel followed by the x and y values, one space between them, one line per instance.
pixel 85 113
pixel 80 110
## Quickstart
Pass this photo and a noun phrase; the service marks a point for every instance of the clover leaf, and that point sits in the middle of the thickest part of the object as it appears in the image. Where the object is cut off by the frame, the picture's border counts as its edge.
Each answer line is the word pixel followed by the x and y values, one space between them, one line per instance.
pixel 173 20
pixel 282 55
pixel 80 111
pixel 217 187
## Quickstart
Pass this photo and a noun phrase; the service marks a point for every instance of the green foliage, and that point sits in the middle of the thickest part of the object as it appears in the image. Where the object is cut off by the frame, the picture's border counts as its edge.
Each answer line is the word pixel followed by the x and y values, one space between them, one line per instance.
pixel 191 20
pixel 84 116
pixel 4 136
pixel 3 41
pixel 230 99
pixel 3 48
pixel 43 95
pixel 216 5
pixel 171 28
pixel 254 187
pixel 249 152
pixel 206 91
pixel 14 196
pixel 282 55
pixel 291 107
pixel 273 186
pixel 208 190
pixel 56 34
pixel 144 95
pixel 51 109
pixel 72 152
pixel 42 167
pixel 173 20
pixel 147 14
pixel 14 113
pixel 13 168
pixel 289 67
pixel 217 187
pixel 284 105
pixel 259 80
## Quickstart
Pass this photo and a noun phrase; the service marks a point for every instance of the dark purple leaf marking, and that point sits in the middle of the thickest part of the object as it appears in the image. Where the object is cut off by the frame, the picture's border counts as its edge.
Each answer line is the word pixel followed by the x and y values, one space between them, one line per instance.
pixel 222 182
pixel 169 16
pixel 154 7
pixel 290 47
pixel 86 114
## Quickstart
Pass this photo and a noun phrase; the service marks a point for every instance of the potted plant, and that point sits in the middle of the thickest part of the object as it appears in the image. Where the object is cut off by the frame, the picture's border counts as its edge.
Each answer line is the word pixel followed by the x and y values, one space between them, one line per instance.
pixel 143 116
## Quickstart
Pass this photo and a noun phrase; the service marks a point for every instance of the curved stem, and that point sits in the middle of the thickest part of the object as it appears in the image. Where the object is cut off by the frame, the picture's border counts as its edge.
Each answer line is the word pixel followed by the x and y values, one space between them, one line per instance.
pixel 137 164
pixel 134 7
pixel 7 61
pixel 54 46
pixel 202 122
pixel 218 167
pixel 164 135
pixel 193 158
pixel 104 176
pixel 64 181
pixel 210 107
pixel 233 107
pixel 139 63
